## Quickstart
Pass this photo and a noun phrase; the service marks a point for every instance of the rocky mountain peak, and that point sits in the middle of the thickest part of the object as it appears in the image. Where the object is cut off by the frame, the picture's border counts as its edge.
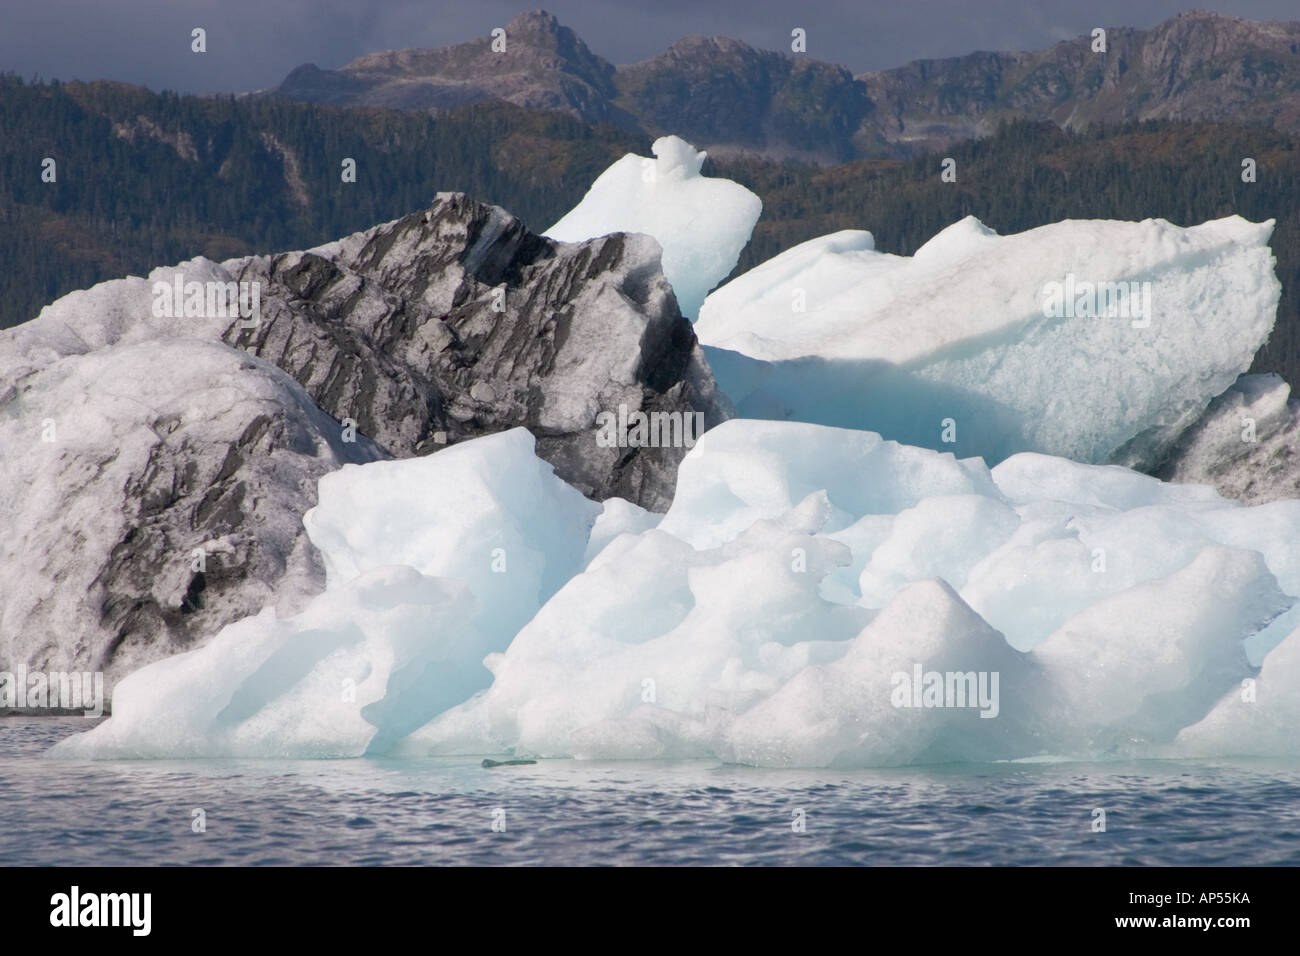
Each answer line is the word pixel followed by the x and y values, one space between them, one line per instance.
pixel 544 66
pixel 697 44
pixel 540 28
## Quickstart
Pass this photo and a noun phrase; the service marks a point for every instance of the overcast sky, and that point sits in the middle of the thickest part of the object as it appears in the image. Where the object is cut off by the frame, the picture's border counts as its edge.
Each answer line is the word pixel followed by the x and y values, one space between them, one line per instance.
pixel 252 44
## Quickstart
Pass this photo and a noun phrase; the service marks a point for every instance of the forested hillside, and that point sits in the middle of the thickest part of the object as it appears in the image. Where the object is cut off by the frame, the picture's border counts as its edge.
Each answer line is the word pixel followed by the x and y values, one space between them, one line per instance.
pixel 145 179
pixel 1030 174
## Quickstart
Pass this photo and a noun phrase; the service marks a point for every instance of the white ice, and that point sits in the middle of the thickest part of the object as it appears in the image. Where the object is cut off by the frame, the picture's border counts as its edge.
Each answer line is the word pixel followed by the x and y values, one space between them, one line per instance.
pixel 431 565
pixel 701 222
pixel 951 348
pixel 1115 609
pixel 763 620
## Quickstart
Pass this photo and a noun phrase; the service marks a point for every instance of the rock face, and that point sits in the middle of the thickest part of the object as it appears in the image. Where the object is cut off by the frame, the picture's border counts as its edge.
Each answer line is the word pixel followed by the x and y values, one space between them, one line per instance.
pixel 727 96
pixel 543 66
pixel 165 461
pixel 155 494
pixel 1246 444
pixel 456 322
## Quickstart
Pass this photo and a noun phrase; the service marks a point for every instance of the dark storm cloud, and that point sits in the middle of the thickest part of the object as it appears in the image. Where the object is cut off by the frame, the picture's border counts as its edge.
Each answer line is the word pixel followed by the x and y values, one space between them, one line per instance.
pixel 252 44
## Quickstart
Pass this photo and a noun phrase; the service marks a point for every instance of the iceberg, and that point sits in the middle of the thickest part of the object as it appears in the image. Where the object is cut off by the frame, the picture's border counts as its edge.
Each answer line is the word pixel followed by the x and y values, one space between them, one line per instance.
pixel 364 664
pixel 1098 341
pixel 430 566
pixel 924 541
pixel 1259 718
pixel 766 619
pixel 167 432
pixel 489 513
pixel 814 597
pixel 802 569
pixel 702 223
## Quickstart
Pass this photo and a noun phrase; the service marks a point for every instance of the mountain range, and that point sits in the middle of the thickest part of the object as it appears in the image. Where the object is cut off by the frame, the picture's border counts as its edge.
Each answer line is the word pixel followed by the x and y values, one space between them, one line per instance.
pixel 731 97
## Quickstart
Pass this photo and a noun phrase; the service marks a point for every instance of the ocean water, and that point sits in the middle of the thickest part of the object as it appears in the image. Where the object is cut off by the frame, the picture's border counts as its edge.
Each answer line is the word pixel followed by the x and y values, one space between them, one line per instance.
pixel 453 811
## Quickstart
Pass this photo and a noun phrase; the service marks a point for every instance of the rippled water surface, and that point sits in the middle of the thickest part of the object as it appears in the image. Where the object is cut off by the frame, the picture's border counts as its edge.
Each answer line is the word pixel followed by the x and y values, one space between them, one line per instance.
pixel 436 811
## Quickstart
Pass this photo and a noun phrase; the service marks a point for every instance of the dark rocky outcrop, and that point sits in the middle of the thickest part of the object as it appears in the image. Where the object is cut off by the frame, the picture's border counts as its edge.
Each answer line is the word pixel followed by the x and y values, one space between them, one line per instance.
pixel 155 494
pixel 543 66
pixel 456 321
pixel 1246 445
